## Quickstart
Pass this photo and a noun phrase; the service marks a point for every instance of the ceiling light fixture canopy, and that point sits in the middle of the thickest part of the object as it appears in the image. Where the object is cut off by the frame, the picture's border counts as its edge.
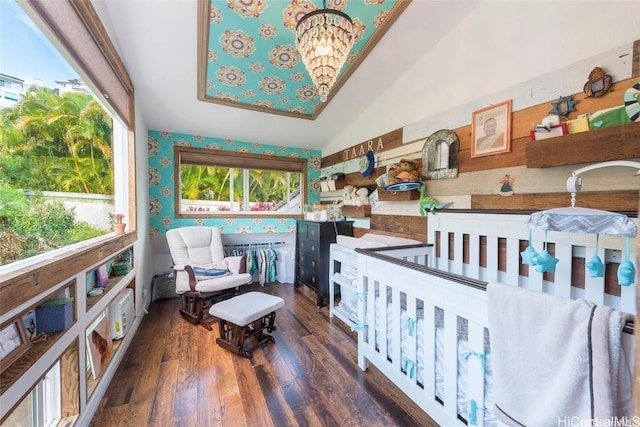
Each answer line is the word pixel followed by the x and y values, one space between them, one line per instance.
pixel 324 38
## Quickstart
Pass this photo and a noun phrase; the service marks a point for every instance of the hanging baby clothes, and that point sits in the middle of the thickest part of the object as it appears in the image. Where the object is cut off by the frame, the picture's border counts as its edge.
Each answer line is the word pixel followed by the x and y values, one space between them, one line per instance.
pixel 249 261
pixel 255 266
pixel 263 266
pixel 271 259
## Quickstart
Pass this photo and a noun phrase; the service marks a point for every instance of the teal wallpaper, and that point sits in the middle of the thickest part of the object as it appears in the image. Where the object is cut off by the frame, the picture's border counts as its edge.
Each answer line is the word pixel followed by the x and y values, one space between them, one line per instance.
pixel 161 182
pixel 252 58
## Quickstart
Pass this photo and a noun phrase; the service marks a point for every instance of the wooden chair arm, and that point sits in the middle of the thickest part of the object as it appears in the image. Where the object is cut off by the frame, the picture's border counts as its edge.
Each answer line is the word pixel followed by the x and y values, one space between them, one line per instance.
pixel 192 277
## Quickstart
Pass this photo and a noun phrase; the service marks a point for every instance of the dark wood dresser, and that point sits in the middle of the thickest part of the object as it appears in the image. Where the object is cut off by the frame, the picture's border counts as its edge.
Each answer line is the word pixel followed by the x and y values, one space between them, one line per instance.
pixel 313 240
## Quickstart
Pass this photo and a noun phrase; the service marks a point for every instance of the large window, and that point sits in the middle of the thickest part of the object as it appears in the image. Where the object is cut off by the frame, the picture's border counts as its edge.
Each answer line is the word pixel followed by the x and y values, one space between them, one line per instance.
pixel 97 149
pixel 214 182
pixel 60 143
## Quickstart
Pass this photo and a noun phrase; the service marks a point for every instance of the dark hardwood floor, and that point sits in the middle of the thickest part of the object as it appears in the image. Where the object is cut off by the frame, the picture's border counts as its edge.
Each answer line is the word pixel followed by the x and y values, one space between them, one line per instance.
pixel 174 374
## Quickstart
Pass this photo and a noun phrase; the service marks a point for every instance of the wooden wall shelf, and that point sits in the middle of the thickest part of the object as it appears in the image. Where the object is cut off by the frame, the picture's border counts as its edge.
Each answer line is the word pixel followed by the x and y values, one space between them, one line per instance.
pixel 357 211
pixel 613 143
pixel 397 196
pixel 622 200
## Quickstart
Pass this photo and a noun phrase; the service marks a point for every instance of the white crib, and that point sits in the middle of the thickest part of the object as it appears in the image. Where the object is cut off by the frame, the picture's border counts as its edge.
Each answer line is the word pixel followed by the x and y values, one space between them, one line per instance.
pixel 426 327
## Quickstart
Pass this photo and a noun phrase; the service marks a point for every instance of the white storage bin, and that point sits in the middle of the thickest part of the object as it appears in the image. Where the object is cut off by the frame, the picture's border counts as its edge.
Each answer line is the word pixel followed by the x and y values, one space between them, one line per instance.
pixel 285 265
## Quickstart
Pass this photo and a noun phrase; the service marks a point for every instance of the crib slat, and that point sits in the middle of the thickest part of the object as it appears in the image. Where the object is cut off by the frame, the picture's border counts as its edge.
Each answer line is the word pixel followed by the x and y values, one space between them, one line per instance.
pixel 456 263
pixel 428 350
pixel 366 311
pixel 562 279
pixel 512 274
pixel 473 269
pixel 593 286
pixel 381 314
pixel 491 272
pixel 475 369
pixel 395 327
pixel 443 259
pixel 450 361
pixel 412 323
pixel 628 297
pixel 535 279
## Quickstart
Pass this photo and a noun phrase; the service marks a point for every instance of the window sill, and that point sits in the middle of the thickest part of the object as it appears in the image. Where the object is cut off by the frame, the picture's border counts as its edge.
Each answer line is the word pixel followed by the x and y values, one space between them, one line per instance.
pixel 22 282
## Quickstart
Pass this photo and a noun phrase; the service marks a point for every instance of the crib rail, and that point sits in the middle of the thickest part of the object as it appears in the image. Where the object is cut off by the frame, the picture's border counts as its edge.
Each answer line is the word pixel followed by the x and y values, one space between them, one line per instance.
pixel 467 250
pixel 413 295
pixel 421 254
pixel 487 246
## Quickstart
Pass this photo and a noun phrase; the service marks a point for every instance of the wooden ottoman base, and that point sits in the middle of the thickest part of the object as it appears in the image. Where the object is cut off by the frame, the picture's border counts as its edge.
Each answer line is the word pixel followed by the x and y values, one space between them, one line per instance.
pixel 245 317
pixel 234 337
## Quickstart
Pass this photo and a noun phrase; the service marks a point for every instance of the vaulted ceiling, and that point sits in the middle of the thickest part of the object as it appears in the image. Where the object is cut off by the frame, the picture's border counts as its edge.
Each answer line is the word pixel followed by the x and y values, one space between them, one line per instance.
pixel 435 57
pixel 166 50
pixel 247 55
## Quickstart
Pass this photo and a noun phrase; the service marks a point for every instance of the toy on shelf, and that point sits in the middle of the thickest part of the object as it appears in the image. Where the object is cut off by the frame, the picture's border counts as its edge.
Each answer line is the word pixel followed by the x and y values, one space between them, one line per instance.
pixel 549 128
pixel 405 171
pixel 353 196
pixel 429 203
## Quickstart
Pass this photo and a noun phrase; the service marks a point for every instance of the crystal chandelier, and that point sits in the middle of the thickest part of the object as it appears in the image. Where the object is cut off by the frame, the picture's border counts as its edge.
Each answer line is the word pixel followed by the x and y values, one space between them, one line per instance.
pixel 324 39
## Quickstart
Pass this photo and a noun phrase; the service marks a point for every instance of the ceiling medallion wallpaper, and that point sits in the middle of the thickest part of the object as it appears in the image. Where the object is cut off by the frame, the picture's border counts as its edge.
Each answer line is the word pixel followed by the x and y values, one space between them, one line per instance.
pixel 247 56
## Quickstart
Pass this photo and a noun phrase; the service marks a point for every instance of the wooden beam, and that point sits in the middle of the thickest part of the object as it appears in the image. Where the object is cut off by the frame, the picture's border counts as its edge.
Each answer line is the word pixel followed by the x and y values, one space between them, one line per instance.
pixel 621 201
pixel 612 143
pixel 410 227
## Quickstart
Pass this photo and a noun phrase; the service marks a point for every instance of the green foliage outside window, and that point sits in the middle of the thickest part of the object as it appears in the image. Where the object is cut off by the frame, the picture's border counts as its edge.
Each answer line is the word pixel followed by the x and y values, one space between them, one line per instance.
pixel 29 225
pixel 266 188
pixel 50 142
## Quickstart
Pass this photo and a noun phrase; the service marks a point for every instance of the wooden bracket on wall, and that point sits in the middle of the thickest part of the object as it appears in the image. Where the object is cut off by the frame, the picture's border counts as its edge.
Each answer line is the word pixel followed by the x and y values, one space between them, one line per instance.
pixel 397 196
pixel 357 211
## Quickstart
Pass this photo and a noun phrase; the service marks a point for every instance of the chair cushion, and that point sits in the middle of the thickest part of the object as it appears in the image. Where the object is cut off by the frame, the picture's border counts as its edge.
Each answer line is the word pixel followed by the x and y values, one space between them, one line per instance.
pixel 222 283
pixel 197 244
pixel 246 308
pixel 210 271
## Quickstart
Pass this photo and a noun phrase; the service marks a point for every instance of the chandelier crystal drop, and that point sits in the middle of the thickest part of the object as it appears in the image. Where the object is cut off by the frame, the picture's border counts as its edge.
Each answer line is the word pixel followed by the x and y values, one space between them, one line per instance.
pixel 324 39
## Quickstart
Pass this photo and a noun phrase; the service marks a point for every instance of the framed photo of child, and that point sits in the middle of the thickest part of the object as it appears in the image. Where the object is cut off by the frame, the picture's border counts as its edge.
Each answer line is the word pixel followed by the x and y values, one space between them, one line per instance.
pixel 491 130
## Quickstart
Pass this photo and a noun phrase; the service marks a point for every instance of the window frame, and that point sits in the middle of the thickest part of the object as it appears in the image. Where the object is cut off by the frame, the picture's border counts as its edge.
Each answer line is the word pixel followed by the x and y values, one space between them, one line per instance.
pixel 75 30
pixel 245 161
pixel 37 277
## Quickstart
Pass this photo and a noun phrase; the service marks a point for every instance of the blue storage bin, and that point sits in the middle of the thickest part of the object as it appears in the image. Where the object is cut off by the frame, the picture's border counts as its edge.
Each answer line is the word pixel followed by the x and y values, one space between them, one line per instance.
pixel 55 316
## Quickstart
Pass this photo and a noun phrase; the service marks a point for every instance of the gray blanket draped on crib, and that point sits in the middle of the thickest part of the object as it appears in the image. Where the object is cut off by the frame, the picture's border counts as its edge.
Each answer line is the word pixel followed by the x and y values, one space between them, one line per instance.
pixel 555 359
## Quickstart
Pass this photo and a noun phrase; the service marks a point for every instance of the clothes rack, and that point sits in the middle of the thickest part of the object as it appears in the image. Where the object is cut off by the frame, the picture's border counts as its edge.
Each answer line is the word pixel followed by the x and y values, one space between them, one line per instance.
pixel 250 245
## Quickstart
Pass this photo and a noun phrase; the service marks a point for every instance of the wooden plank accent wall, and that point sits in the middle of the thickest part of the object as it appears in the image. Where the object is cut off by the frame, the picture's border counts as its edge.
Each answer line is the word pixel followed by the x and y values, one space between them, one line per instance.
pixel 520 134
pixel 410 227
pixel 521 126
pixel 623 201
pixel 613 143
pixel 389 140
pixel 619 143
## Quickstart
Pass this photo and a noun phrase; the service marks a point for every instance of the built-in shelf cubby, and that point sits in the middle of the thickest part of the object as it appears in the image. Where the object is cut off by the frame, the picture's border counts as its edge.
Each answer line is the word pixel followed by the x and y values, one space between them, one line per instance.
pixel 71 345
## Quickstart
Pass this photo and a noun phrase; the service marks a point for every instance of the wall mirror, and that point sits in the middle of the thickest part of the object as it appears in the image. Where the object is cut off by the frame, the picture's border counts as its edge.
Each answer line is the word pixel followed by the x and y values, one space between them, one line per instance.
pixel 440 155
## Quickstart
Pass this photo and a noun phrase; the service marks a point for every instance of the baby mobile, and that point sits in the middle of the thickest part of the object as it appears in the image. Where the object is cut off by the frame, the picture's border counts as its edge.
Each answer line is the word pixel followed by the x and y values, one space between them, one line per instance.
pixel 582 220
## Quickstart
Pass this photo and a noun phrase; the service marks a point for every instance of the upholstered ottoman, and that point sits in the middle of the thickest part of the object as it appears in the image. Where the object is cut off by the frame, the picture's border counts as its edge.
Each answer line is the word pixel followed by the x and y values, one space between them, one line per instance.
pixel 244 317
